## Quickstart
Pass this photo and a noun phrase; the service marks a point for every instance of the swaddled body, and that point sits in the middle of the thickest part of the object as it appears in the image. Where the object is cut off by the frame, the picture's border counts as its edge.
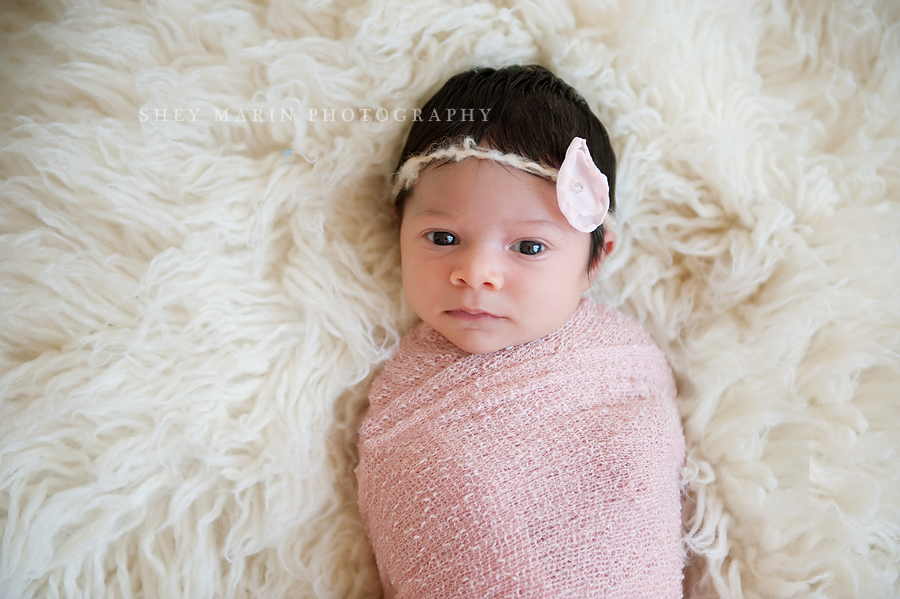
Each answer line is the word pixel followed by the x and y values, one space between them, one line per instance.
pixel 546 469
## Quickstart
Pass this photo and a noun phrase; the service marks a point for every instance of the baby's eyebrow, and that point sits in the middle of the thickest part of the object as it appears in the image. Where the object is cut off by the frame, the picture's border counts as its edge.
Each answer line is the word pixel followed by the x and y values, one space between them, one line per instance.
pixel 443 213
pixel 430 212
pixel 540 222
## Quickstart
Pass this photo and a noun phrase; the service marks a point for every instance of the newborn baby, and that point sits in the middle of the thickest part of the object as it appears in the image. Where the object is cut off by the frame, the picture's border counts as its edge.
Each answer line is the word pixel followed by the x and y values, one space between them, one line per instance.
pixel 524 441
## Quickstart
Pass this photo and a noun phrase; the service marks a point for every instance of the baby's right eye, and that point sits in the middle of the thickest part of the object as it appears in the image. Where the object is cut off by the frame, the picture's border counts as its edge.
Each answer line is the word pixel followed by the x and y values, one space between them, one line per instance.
pixel 442 238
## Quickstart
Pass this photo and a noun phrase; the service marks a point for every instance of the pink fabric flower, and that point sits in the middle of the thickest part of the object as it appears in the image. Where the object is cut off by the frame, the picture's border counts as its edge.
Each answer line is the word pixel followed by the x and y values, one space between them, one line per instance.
pixel 582 190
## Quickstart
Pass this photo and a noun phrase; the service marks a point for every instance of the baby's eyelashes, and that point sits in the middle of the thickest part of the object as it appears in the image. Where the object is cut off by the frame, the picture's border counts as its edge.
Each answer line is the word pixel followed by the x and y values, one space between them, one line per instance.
pixel 529 248
pixel 442 238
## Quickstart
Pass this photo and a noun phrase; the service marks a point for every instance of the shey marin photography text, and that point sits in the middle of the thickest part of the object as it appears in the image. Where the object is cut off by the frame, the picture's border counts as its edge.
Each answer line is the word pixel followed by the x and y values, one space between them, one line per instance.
pixel 264 115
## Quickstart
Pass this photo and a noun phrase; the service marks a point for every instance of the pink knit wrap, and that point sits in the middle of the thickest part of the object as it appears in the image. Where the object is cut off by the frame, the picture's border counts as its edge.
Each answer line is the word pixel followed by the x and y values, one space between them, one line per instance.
pixel 548 469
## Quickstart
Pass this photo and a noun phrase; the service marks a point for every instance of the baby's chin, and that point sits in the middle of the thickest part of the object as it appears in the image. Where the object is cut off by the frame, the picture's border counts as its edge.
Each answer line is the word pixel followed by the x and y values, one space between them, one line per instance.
pixel 479 348
pixel 495 336
pixel 484 343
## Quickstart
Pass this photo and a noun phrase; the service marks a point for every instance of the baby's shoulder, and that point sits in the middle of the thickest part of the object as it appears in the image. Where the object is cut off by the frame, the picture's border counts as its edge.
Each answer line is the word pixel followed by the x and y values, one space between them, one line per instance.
pixel 422 353
pixel 628 350
pixel 615 328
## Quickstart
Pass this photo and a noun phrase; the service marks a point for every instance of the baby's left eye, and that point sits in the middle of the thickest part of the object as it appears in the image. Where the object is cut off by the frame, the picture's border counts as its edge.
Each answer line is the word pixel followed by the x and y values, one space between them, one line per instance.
pixel 529 248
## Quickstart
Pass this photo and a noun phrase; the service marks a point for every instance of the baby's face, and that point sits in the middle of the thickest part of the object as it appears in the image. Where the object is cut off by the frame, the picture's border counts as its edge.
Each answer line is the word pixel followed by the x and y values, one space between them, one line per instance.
pixel 488 259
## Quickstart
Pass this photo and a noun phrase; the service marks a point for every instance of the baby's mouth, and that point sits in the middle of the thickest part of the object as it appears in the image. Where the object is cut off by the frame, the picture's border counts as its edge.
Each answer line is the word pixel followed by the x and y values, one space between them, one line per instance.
pixel 471 314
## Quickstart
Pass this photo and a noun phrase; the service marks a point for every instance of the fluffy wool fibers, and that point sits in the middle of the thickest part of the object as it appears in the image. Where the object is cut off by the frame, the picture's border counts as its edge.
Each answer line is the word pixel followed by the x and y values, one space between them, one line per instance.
pixel 190 315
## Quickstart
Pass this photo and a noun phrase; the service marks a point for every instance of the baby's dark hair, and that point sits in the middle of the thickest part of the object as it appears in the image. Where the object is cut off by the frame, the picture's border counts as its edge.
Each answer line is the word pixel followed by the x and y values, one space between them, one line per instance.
pixel 525 110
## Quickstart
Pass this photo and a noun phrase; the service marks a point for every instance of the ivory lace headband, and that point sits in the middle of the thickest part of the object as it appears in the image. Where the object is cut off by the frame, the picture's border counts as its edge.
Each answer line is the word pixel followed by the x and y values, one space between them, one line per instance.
pixel 581 189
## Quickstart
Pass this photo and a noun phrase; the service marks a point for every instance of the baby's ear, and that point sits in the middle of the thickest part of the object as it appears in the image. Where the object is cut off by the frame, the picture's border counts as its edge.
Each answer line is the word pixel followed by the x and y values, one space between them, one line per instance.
pixel 609 244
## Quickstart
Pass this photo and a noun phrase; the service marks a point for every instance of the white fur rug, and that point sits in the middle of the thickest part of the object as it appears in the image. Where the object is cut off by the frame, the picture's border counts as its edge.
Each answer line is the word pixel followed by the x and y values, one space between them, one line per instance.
pixel 189 315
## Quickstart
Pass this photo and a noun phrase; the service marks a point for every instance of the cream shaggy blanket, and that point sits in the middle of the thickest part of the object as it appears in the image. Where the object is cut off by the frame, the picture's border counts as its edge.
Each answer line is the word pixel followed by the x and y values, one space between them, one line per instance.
pixel 192 303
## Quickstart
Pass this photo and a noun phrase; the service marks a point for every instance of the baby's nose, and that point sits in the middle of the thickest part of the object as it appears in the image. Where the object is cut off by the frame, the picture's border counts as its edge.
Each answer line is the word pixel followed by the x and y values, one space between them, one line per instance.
pixel 478 268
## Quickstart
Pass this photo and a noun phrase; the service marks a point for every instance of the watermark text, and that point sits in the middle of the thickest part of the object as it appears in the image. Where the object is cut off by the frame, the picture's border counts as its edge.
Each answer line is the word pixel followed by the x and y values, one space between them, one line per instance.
pixel 325 115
